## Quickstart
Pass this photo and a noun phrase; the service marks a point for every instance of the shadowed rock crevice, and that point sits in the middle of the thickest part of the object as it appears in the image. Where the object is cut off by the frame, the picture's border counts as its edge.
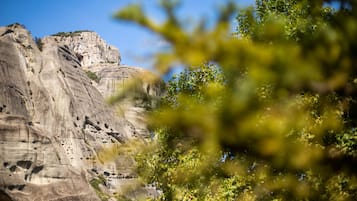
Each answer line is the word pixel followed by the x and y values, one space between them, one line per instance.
pixel 37 169
pixel 16 187
pixel 24 164
pixel 4 196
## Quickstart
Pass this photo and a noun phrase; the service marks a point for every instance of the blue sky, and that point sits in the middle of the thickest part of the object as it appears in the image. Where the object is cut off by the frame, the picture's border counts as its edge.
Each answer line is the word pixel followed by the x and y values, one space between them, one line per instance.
pixel 136 45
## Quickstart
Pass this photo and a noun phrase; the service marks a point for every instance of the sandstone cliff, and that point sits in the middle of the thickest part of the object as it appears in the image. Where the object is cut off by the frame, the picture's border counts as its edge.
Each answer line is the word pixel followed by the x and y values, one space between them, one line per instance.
pixel 89 47
pixel 54 120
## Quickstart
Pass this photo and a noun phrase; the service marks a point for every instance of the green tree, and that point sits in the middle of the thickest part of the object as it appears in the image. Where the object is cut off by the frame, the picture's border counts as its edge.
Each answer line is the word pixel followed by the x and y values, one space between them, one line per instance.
pixel 280 123
pixel 191 82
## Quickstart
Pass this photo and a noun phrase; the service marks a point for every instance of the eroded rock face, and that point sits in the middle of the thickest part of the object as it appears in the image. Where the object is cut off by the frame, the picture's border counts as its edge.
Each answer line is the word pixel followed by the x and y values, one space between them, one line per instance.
pixel 112 76
pixel 113 79
pixel 34 163
pixel 89 47
pixel 54 120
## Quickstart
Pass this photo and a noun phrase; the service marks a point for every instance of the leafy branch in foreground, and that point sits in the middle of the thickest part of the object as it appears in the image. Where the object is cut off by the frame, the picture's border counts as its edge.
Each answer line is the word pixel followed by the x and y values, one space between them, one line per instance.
pixel 281 124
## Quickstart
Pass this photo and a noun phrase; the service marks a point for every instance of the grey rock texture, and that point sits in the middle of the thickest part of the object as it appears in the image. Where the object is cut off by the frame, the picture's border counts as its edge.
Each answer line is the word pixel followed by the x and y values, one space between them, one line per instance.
pixel 104 60
pixel 54 120
pixel 89 47
pixel 113 79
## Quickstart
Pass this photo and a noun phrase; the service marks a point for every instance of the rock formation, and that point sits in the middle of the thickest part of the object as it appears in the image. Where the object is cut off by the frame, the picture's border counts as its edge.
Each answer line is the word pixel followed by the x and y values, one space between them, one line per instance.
pixel 89 47
pixel 54 120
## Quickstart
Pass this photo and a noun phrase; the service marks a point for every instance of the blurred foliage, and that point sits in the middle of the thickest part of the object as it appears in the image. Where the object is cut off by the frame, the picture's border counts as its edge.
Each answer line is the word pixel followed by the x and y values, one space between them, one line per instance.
pixel 143 89
pixel 271 116
pixel 192 83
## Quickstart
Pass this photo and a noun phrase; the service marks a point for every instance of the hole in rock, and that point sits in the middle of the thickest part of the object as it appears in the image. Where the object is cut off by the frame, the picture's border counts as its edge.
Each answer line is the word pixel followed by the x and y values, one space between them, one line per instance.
pixel 21 187
pixel 12 168
pixel 24 164
pixel 37 169
pixel 11 187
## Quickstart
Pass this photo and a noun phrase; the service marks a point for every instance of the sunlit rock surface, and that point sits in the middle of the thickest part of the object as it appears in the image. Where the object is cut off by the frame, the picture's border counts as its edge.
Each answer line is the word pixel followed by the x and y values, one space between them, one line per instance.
pixel 89 47
pixel 54 120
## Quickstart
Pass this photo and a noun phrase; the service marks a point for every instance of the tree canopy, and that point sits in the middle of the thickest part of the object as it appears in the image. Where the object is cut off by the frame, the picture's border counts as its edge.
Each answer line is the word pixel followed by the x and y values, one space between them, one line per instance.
pixel 266 113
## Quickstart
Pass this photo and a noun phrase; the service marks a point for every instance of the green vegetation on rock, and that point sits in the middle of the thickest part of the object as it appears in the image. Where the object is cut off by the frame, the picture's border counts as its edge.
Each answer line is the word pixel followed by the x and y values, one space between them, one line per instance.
pixel 95 183
pixel 39 43
pixel 67 34
pixel 92 76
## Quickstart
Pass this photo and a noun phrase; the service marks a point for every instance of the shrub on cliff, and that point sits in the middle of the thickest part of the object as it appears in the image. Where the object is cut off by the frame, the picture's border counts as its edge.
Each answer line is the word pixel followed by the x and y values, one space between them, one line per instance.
pixel 39 43
pixel 92 76
pixel 67 34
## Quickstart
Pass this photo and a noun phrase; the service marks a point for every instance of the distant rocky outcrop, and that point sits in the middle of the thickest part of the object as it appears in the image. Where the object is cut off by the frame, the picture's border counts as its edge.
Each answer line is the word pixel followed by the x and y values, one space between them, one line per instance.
pixel 54 119
pixel 89 47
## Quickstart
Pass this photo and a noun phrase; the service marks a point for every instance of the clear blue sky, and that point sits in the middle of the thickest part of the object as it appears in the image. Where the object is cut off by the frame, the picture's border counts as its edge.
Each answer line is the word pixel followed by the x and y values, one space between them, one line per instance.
pixel 46 17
